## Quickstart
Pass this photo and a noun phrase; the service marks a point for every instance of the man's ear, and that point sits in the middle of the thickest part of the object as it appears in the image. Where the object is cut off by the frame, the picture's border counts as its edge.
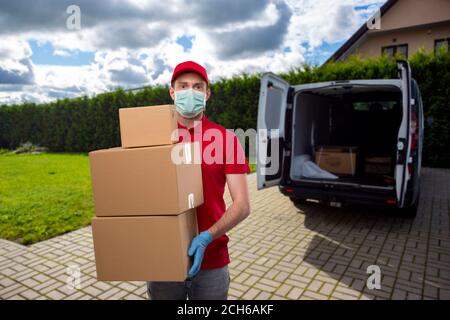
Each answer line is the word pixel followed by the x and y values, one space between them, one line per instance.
pixel 208 94
pixel 172 93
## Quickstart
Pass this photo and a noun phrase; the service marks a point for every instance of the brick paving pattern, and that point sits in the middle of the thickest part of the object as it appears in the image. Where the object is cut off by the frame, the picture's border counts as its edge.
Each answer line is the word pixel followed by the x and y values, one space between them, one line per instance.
pixel 279 252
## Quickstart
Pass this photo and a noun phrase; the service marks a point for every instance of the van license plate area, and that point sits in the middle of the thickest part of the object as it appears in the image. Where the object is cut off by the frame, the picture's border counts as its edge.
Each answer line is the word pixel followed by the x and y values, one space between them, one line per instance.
pixel 335 204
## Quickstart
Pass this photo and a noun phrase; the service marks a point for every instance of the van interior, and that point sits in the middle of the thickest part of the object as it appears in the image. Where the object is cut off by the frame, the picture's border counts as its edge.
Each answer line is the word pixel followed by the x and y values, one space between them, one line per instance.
pixel 366 118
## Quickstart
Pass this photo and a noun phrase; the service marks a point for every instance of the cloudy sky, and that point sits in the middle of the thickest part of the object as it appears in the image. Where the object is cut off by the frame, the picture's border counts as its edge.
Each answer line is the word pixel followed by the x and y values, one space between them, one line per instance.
pixel 132 43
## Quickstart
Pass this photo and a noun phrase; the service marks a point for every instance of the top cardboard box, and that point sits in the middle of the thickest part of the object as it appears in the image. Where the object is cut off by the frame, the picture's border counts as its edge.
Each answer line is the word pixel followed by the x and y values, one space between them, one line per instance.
pixel 148 126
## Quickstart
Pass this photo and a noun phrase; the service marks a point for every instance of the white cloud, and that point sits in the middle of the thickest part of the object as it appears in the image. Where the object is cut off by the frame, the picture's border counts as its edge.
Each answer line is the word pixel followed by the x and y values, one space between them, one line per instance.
pixel 78 79
pixel 14 48
pixel 62 53
pixel 15 63
pixel 135 40
pixel 318 21
pixel 16 96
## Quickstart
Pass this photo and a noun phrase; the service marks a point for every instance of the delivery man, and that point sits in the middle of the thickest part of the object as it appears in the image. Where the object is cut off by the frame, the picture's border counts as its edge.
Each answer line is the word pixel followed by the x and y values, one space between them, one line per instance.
pixel 223 161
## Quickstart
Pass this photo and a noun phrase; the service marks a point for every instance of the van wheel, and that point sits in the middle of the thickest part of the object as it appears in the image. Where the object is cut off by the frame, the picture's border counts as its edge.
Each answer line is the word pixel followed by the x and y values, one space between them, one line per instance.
pixel 298 203
pixel 409 212
pixel 298 200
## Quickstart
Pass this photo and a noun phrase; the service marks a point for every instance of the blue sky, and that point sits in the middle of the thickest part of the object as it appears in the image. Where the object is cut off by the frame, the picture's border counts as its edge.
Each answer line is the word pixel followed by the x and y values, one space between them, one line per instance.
pixel 132 43
pixel 44 53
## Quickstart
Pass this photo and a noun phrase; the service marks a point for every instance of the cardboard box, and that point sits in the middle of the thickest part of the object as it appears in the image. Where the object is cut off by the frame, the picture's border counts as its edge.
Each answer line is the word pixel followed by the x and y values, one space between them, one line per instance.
pixel 337 160
pixel 152 248
pixel 146 181
pixel 148 126
pixel 381 165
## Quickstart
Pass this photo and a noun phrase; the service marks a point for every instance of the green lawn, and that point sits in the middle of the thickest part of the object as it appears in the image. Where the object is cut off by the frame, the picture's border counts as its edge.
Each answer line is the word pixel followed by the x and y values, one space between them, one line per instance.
pixel 43 195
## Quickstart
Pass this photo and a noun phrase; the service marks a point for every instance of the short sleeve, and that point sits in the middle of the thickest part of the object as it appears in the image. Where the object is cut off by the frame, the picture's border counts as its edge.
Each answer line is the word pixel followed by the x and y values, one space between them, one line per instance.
pixel 235 161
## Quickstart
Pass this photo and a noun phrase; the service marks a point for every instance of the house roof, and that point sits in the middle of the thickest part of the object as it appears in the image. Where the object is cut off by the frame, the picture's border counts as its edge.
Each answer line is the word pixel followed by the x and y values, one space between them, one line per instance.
pixel 359 33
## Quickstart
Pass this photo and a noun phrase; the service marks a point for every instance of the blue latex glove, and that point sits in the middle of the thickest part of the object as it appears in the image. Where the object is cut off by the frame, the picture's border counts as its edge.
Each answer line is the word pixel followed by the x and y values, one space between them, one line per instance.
pixel 197 248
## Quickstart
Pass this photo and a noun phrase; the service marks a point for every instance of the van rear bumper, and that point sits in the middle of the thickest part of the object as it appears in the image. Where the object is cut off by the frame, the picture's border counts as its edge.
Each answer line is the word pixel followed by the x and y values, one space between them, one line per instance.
pixel 358 197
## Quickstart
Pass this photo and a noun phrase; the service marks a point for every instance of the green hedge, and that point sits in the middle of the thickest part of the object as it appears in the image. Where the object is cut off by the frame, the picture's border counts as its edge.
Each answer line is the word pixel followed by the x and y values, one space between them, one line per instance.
pixel 85 124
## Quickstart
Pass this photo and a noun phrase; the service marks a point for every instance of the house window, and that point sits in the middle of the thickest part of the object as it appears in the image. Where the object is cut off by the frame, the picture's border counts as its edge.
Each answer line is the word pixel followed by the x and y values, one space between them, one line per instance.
pixel 441 43
pixel 403 50
pixel 390 51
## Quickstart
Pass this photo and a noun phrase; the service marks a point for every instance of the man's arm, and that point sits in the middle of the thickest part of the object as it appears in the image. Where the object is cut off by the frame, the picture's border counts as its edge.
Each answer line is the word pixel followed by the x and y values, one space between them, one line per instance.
pixel 240 208
pixel 238 211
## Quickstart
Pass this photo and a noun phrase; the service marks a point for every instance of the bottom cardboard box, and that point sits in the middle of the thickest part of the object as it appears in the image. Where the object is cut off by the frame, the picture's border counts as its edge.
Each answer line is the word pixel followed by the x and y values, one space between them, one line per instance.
pixel 144 248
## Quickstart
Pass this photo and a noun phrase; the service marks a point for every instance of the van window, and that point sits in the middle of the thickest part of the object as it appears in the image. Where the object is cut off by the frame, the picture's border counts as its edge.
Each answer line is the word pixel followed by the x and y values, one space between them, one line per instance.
pixel 374 105
pixel 272 116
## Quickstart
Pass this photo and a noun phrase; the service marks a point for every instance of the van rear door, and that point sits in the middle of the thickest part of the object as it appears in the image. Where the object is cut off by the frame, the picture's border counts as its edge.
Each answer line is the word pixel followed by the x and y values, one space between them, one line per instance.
pixel 271 135
pixel 404 135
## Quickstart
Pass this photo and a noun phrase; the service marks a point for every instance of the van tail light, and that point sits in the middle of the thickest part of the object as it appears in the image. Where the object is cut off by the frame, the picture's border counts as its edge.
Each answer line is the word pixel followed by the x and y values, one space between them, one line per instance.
pixel 391 201
pixel 290 190
pixel 414 127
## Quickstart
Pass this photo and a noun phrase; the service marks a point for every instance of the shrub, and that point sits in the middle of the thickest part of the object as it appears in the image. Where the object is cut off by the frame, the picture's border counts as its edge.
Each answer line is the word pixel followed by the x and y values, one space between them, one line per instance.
pixel 84 124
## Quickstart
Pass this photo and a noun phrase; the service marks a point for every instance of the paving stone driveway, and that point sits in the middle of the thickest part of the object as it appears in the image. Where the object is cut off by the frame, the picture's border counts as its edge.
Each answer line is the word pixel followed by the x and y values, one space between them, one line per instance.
pixel 279 252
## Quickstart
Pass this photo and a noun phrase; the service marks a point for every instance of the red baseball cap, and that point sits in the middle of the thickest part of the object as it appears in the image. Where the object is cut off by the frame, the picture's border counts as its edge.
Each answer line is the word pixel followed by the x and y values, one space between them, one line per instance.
pixel 189 66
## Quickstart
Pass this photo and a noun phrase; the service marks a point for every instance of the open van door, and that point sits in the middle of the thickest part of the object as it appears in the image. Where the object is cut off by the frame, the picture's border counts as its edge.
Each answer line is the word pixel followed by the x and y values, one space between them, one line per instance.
pixel 272 106
pixel 404 135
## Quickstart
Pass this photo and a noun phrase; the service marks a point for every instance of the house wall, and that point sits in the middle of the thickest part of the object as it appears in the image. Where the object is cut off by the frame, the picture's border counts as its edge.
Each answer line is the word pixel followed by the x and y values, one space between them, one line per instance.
pixel 407 13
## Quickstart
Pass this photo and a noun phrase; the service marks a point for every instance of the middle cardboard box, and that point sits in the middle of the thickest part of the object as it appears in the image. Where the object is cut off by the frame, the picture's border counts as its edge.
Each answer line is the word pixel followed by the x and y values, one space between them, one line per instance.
pixel 158 180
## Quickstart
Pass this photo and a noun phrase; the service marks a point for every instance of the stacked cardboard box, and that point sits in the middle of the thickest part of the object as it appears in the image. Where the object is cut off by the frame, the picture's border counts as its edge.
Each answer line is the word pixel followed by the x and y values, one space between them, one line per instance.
pixel 145 195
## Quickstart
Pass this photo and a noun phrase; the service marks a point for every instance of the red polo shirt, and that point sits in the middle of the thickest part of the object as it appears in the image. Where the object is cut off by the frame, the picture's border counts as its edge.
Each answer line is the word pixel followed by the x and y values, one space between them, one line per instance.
pixel 221 154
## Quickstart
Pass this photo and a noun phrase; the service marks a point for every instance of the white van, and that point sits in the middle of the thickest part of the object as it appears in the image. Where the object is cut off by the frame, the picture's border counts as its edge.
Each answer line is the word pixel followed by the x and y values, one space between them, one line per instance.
pixel 374 128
